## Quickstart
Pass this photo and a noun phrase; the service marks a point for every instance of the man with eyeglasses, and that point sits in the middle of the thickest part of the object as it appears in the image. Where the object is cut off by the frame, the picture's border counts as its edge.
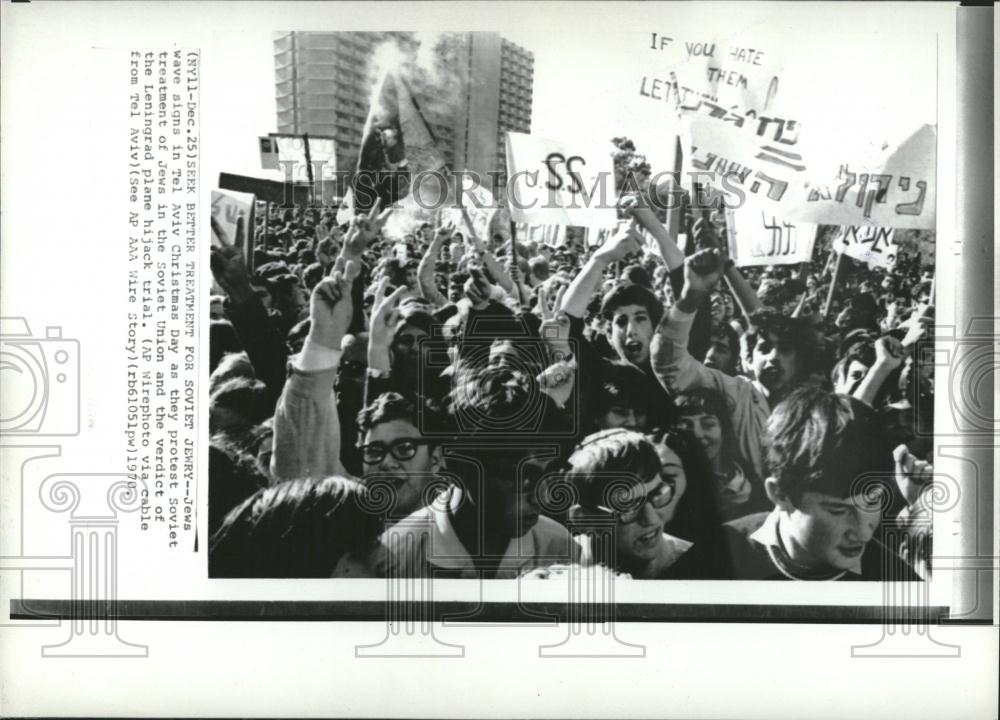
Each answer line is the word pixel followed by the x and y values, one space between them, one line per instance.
pixel 394 452
pixel 624 501
pixel 486 523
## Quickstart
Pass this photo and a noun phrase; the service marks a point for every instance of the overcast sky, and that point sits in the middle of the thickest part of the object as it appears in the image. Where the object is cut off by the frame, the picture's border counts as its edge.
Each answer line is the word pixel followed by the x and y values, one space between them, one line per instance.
pixel 587 78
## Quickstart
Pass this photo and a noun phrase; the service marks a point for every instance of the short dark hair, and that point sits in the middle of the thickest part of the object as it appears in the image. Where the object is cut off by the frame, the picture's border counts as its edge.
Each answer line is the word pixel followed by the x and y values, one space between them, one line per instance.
pixel 621 382
pixel 724 329
pixel 638 275
pixel 707 401
pixel 312 275
pixel 233 476
pixel 234 364
pixel 539 267
pixel 594 465
pixel 796 331
pixel 631 294
pixel 222 340
pixel 818 441
pixel 385 408
pixel 244 396
pixel 295 529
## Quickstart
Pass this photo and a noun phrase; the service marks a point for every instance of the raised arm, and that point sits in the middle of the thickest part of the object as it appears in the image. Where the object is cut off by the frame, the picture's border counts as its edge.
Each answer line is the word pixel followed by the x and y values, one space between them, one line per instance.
pixel 624 242
pixel 745 295
pixel 667 240
pixel 264 345
pixel 672 364
pixel 889 355
pixel 428 265
pixel 306 424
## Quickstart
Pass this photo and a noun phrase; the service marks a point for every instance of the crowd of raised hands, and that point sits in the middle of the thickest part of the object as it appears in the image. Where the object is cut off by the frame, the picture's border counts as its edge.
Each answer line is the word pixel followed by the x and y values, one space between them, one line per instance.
pixel 442 403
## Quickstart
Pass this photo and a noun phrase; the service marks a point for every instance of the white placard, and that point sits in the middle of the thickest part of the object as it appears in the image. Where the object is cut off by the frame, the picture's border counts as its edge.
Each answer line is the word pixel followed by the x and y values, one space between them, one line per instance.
pixel 556 183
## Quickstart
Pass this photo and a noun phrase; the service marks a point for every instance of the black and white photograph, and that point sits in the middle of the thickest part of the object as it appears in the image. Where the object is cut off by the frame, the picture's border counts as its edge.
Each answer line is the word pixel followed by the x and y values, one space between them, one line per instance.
pixel 413 359
pixel 475 351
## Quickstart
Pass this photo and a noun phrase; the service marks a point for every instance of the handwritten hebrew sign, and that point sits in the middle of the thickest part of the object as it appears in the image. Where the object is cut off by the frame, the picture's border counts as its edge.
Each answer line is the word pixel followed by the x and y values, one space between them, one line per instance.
pixel 759 238
pixel 869 244
pixel 761 159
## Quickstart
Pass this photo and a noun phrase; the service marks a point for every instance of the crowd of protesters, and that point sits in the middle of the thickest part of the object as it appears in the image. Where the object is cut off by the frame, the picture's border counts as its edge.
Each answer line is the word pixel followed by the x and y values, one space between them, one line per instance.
pixel 439 403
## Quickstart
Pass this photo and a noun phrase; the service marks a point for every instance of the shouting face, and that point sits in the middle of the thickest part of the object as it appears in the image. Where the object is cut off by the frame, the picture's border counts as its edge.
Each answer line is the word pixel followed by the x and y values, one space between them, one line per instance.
pixel 775 363
pixel 631 331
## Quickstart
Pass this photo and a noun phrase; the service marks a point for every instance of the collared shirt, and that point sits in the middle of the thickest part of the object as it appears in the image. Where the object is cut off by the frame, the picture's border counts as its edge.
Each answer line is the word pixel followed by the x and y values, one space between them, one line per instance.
pixel 426 543
pixel 769 536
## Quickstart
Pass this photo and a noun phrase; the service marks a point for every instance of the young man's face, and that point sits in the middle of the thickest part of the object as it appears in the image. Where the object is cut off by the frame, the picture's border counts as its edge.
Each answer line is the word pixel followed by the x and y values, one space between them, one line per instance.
pixel 707 430
pixel 850 377
pixel 775 364
pixel 718 307
pixel 411 278
pixel 721 355
pixel 513 497
pixel 631 331
pixel 640 538
pixel 406 348
pixel 825 530
pixel 408 477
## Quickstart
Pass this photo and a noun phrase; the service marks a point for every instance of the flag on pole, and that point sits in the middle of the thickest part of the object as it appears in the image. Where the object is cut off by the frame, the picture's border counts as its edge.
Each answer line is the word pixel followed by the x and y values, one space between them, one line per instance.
pixel 397 144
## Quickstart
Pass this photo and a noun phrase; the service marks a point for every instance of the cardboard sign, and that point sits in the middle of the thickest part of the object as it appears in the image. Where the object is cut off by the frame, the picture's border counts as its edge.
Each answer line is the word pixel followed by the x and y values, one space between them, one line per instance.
pixel 756 238
pixel 869 244
pixel 556 183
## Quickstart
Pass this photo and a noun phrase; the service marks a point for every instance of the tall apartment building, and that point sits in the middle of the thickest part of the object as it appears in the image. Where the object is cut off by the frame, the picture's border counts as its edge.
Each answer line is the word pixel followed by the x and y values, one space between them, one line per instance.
pixel 481 89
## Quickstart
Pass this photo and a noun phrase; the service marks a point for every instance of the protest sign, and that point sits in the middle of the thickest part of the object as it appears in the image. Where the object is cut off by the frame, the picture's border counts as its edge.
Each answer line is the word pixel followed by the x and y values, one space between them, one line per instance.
pixel 475 216
pixel 556 183
pixel 294 152
pixel 551 235
pixel 268 153
pixel 284 194
pixel 738 72
pixel 227 208
pixel 868 243
pixel 756 238
pixel 760 158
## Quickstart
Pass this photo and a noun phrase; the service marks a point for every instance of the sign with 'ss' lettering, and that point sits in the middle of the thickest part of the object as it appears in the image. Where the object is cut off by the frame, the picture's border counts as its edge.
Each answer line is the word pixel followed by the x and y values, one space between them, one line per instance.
pixel 560 183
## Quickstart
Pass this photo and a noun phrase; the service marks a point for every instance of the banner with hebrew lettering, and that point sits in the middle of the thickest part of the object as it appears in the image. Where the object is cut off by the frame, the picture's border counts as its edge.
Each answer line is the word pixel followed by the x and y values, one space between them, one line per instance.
pixel 869 244
pixel 759 238
pixel 831 182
